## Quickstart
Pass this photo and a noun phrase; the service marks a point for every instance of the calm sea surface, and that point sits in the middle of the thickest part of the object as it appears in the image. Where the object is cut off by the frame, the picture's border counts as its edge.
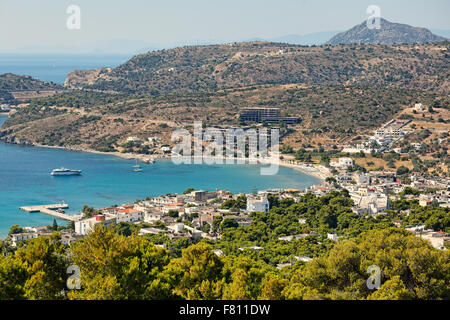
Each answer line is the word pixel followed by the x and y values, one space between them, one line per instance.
pixel 107 180
pixel 56 67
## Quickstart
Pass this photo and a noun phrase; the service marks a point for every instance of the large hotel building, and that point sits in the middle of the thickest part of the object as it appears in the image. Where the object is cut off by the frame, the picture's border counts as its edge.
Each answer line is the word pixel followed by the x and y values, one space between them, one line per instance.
pixel 270 115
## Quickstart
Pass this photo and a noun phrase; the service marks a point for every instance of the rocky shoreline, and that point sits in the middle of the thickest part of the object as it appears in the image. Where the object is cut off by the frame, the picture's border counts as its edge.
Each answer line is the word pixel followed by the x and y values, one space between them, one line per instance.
pixel 7 137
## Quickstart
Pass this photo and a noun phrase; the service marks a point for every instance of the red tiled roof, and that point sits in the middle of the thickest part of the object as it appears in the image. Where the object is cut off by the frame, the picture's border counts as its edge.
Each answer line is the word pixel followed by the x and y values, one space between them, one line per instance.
pixel 128 211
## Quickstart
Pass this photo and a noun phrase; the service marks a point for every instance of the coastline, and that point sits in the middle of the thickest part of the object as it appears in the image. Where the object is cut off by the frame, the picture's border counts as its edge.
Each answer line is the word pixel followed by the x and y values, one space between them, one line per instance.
pixel 104 186
pixel 316 171
pixel 313 170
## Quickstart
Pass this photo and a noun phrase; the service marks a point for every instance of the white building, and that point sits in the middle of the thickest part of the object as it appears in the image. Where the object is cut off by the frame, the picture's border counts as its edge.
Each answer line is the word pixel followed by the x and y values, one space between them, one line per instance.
pixel 342 163
pixel 85 226
pixel 17 237
pixel 417 228
pixel 436 241
pixel 257 205
pixel 176 227
pixel 332 236
pixel 419 107
pixel 161 200
pixel 153 216
pixel 134 140
pixel 370 201
pixel 129 215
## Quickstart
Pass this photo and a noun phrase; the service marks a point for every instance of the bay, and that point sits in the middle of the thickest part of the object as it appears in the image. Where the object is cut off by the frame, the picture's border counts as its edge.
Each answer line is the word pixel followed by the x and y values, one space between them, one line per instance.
pixel 25 180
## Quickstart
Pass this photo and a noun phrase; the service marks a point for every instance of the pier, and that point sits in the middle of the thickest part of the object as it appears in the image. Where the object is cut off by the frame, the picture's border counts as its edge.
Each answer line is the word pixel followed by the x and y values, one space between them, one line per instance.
pixel 50 210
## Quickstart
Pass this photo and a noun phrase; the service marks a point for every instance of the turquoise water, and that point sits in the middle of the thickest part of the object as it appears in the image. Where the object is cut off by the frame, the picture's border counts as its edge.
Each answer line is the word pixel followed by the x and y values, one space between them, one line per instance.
pixel 55 67
pixel 107 180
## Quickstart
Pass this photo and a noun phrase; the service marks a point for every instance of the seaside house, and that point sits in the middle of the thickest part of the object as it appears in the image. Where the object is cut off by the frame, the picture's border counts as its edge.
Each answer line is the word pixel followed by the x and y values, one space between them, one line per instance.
pixel 257 205
pixel 342 163
pixel 129 215
pixel 17 237
pixel 153 215
pixel 83 227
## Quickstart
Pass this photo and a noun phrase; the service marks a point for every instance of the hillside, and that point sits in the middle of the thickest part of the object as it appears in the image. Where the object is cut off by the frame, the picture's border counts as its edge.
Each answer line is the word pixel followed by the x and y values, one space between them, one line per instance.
pixel 389 33
pixel 215 67
pixel 15 88
pixel 330 114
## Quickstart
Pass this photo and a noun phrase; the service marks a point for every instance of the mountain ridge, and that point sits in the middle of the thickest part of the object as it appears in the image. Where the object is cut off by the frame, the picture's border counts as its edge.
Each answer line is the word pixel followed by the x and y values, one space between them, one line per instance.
pixel 388 33
pixel 218 67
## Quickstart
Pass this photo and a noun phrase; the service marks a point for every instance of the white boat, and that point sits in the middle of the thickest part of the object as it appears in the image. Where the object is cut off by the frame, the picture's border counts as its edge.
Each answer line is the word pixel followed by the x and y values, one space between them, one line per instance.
pixel 65 172
pixel 136 165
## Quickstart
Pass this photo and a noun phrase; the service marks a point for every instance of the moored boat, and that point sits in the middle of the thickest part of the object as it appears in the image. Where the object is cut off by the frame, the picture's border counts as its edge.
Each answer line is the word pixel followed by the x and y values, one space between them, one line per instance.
pixel 65 172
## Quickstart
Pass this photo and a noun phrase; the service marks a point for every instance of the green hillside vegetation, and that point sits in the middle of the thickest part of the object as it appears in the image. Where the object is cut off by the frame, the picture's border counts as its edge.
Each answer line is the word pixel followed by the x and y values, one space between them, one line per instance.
pixel 14 82
pixel 337 111
pixel 11 83
pixel 215 67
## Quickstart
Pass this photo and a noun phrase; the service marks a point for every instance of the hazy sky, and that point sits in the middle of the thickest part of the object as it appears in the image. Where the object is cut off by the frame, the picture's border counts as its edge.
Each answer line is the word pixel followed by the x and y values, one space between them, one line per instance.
pixel 42 23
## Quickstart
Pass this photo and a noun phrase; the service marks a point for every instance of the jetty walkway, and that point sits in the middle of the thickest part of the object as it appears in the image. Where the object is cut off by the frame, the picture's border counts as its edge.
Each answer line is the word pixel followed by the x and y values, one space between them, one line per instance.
pixel 50 209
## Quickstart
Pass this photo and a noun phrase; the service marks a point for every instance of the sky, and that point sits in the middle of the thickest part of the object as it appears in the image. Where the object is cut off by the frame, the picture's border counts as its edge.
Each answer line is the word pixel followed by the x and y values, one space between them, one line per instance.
pixel 30 25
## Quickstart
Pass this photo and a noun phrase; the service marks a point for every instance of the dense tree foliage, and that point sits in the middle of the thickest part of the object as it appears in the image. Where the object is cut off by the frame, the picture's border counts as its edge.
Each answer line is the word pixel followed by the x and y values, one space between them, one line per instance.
pixel 35 271
pixel 410 267
pixel 119 267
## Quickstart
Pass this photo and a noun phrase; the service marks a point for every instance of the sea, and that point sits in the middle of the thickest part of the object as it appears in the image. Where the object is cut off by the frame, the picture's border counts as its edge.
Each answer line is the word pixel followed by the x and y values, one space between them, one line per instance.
pixel 106 180
pixel 55 67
